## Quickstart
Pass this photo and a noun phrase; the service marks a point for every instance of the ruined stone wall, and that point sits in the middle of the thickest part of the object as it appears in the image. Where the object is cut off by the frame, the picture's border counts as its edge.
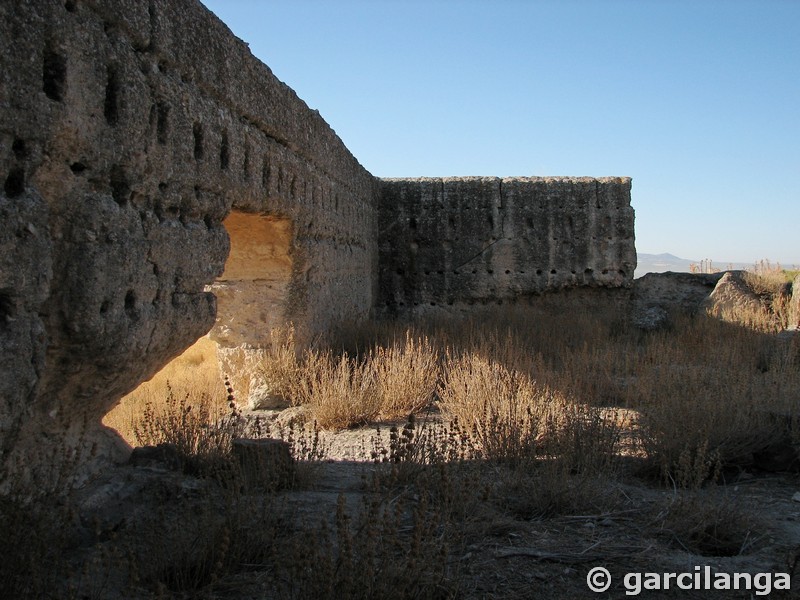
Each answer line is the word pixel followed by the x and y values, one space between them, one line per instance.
pixel 129 129
pixel 141 143
pixel 453 243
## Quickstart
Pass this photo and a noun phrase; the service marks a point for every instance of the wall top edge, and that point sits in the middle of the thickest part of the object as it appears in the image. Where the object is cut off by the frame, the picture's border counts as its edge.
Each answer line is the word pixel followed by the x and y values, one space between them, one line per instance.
pixel 521 179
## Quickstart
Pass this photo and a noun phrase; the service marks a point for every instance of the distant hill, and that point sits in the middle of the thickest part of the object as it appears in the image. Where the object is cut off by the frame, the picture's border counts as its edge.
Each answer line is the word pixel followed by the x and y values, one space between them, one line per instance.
pixel 660 263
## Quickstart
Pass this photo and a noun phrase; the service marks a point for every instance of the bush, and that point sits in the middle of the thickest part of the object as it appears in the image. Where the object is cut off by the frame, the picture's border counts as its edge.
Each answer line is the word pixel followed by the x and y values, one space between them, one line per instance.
pixel 406 376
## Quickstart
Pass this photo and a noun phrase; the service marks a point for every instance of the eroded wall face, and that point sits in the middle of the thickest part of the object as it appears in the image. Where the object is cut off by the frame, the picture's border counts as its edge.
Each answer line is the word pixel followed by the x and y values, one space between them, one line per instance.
pixel 129 130
pixel 334 242
pixel 253 293
pixel 452 243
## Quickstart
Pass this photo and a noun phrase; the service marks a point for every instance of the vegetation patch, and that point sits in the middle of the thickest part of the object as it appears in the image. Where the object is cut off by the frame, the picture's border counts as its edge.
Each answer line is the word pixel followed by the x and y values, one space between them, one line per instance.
pixel 490 443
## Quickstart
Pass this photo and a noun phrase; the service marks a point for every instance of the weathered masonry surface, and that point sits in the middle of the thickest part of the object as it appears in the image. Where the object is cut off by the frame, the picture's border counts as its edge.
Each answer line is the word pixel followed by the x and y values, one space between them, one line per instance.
pixel 141 145
pixel 451 243
pixel 129 130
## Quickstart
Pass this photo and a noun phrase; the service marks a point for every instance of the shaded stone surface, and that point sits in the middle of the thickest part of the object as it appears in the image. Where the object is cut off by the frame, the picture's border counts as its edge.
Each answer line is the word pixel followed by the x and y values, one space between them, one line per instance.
pixel 452 243
pixel 673 292
pixel 128 132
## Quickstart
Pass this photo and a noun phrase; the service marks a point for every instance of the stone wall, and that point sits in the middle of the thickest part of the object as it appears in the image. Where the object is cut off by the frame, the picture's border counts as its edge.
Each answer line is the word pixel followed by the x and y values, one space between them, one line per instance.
pixel 129 129
pixel 141 144
pixel 453 243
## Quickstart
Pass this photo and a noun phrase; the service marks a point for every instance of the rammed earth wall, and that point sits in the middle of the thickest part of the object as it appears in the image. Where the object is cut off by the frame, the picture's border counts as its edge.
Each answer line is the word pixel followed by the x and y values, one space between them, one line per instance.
pixel 140 140
pixel 129 130
pixel 452 243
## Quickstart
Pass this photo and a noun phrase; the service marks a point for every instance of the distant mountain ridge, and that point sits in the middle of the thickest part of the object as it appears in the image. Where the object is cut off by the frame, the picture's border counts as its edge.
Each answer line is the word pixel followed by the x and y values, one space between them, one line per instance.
pixel 660 263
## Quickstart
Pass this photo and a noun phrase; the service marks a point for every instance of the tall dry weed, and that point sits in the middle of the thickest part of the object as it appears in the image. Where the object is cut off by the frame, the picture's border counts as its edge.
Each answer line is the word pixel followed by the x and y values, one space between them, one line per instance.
pixel 514 419
pixel 708 522
pixel 198 428
pixel 713 386
pixel 386 382
pixel 279 366
pixel 500 407
pixel 194 374
pixel 340 391
pixel 406 376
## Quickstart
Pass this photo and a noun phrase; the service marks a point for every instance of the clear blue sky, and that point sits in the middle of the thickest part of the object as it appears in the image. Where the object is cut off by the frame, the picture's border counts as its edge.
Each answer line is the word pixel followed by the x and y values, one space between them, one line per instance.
pixel 698 101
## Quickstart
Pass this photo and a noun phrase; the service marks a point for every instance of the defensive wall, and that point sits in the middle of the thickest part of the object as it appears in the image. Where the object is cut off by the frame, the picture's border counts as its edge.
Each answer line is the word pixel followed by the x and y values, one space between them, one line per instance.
pixel 449 244
pixel 142 146
pixel 129 132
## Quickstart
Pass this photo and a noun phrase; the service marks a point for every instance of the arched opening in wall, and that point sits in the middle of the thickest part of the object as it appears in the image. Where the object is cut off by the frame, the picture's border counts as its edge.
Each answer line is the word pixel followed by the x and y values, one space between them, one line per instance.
pixel 252 296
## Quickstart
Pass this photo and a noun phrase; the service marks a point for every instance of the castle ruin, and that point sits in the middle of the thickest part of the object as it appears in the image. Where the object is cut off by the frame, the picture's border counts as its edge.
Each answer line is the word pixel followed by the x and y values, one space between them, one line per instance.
pixel 158 179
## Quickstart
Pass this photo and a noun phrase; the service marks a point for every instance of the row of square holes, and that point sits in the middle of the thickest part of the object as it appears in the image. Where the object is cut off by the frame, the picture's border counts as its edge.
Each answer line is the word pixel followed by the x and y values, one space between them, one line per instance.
pixel 587 271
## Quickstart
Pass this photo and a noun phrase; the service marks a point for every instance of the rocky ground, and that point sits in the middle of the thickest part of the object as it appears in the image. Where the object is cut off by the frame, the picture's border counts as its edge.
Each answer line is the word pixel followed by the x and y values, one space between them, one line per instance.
pixel 495 547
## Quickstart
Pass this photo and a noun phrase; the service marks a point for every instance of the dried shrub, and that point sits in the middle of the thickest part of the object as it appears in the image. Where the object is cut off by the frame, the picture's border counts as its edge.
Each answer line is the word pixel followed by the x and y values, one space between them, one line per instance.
pixel 279 366
pixel 514 419
pixel 198 428
pixel 387 382
pixel 406 376
pixel 552 489
pixel 385 548
pixel 189 545
pixel 341 392
pixel 710 385
pixel 194 374
pixel 505 412
pixel 709 523
pixel 425 443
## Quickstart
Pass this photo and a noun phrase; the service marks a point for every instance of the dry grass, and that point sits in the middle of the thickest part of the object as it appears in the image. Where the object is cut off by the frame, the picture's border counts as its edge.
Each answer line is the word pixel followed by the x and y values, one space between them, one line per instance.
pixel 715 386
pixel 386 382
pixel 406 374
pixel 196 426
pixel 193 377
pixel 709 523
pixel 507 413
pixel 390 547
pixel 340 391
pixel 535 412
pixel 772 284
pixel 527 383
pixel 279 367
pixel 386 548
